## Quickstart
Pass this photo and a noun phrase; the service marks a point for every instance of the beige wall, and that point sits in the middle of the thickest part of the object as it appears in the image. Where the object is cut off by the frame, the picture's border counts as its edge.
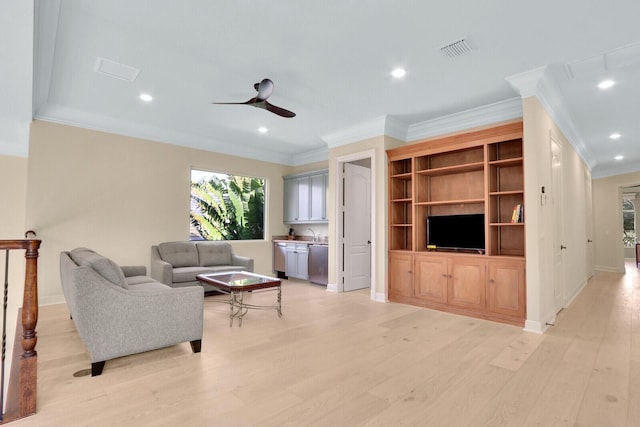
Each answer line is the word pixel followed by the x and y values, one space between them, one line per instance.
pixel 120 195
pixel 541 220
pixel 607 203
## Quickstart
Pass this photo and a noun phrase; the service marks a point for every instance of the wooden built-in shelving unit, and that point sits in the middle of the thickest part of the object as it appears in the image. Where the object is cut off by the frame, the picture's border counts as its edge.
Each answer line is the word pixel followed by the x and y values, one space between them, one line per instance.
pixel 478 172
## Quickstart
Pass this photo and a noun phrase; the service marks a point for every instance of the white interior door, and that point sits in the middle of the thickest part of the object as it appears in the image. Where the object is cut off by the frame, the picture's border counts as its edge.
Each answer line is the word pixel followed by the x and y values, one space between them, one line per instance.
pixel 558 224
pixel 589 223
pixel 357 227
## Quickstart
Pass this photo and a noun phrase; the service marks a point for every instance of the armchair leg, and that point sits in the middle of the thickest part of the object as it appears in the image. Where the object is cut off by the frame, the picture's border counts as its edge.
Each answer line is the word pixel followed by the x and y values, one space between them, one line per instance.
pixel 196 345
pixel 96 368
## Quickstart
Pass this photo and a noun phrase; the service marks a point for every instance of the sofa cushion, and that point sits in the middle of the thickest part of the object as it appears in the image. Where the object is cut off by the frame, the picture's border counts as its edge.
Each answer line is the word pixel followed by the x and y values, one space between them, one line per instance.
pixel 223 268
pixel 149 286
pixel 214 253
pixel 179 254
pixel 188 274
pixel 135 280
pixel 102 265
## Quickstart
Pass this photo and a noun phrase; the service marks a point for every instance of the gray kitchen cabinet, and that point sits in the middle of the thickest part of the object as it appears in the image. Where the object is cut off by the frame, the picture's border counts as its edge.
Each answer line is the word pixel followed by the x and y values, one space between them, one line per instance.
pixel 297 265
pixel 305 198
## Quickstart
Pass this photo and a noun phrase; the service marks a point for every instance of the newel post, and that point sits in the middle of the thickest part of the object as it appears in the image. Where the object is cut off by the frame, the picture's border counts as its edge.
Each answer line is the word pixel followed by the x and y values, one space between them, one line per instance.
pixel 29 359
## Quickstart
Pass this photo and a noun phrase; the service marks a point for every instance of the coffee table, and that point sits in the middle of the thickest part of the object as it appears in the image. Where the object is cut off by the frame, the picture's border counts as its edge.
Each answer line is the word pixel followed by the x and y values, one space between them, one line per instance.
pixel 235 283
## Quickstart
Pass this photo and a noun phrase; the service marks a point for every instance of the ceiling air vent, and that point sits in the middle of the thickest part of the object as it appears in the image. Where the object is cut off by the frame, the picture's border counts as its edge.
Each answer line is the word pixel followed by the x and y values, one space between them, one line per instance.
pixel 457 48
pixel 115 69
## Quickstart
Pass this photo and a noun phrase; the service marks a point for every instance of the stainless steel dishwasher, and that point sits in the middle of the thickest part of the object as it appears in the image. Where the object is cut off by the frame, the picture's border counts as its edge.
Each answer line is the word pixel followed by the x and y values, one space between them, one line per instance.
pixel 280 259
pixel 319 264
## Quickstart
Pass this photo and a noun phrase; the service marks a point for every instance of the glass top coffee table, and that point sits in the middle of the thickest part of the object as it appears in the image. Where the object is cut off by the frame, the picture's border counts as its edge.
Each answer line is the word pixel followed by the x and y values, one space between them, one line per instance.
pixel 235 283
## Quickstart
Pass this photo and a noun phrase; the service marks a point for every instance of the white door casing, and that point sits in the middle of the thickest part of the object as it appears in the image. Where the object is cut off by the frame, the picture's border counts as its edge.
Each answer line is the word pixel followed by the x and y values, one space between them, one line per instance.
pixel 557 201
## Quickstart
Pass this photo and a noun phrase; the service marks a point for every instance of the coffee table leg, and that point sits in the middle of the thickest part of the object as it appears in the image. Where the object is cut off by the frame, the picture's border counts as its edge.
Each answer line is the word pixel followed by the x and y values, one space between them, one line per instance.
pixel 279 301
pixel 241 308
pixel 231 302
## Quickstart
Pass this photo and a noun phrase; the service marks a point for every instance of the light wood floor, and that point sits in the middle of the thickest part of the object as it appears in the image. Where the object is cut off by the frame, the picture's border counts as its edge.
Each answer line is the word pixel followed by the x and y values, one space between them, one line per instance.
pixel 341 360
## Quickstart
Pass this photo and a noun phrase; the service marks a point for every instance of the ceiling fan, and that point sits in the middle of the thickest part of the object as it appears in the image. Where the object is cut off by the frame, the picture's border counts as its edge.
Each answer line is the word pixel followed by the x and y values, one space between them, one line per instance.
pixel 264 88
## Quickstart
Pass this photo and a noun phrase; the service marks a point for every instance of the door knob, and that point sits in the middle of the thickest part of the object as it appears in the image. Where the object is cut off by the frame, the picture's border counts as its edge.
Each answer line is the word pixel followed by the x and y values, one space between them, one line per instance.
pixel 562 247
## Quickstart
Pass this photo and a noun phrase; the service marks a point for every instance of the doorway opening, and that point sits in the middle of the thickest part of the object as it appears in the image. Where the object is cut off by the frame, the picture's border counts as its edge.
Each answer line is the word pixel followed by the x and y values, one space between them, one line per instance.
pixel 355 218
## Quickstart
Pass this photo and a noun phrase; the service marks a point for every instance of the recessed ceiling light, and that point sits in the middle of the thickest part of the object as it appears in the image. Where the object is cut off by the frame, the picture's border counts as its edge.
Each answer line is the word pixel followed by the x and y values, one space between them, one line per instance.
pixel 619 157
pixel 146 97
pixel 606 84
pixel 615 135
pixel 399 73
pixel 263 129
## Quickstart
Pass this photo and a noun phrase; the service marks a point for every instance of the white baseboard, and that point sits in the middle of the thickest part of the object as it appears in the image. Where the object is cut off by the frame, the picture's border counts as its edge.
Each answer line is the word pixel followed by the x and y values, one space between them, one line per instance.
pixel 538 327
pixel 607 269
pixel 332 287
pixel 379 296
pixel 56 299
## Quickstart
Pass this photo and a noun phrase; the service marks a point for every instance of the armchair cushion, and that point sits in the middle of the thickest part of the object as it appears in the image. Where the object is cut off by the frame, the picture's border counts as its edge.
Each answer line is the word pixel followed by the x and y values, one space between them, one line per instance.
pixel 102 265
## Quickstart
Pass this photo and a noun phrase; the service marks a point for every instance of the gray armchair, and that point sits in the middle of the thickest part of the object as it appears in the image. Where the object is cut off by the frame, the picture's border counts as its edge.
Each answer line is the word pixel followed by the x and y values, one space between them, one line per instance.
pixel 118 315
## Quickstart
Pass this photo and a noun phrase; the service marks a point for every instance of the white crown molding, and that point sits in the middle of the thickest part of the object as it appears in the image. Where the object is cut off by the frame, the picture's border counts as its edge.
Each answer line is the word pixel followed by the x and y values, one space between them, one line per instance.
pixel 395 128
pixel 312 156
pixel 83 119
pixel 487 114
pixel 614 169
pixel 13 149
pixel 547 94
pixel 526 83
pixel 360 132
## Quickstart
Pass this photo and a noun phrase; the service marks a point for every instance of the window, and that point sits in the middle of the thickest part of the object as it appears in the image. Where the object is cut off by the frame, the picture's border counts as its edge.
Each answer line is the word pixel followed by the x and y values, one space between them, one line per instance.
pixel 226 207
pixel 629 220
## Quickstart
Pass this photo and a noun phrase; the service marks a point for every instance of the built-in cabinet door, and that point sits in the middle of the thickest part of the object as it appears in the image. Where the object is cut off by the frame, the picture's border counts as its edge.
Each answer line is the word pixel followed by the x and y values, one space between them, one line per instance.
pixel 297 261
pixel 318 197
pixel 431 276
pixel 302 260
pixel 400 275
pixel 305 198
pixel 304 202
pixel 290 200
pixel 466 286
pixel 506 288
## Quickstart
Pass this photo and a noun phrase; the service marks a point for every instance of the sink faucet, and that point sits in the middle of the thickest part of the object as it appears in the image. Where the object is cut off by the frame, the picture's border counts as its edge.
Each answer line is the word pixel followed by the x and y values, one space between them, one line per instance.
pixel 314 234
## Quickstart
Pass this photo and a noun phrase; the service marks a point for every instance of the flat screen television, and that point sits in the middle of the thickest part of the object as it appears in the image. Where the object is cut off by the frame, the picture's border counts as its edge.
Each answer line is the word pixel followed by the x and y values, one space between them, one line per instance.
pixel 456 232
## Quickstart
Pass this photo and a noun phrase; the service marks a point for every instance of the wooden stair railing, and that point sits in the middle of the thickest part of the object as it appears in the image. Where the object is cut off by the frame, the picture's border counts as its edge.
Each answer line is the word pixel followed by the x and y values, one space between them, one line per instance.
pixel 21 394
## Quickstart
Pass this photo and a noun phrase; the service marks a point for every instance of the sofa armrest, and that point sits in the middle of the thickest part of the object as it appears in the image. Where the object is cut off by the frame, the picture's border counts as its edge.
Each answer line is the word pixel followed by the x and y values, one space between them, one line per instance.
pixel 243 261
pixel 161 270
pixel 134 270
pixel 114 322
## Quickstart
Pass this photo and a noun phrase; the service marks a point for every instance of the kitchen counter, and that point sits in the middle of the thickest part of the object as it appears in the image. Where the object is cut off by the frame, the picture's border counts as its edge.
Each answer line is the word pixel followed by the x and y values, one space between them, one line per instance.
pixel 302 239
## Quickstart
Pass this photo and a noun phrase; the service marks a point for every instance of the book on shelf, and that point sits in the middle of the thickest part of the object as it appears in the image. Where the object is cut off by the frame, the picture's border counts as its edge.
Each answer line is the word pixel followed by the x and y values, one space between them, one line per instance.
pixel 518 214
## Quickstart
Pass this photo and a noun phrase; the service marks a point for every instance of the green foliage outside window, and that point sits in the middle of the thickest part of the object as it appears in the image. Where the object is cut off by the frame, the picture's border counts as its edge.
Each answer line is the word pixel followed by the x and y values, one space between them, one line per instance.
pixel 226 207
pixel 628 222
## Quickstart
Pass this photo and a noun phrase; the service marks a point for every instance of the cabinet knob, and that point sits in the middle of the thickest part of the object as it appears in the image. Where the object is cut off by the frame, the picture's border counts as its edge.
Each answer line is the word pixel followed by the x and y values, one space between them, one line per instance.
pixel 444 275
pixel 492 281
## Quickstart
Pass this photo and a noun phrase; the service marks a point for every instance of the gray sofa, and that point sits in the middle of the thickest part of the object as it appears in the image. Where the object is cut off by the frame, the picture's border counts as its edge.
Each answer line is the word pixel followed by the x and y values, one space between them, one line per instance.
pixel 178 263
pixel 120 311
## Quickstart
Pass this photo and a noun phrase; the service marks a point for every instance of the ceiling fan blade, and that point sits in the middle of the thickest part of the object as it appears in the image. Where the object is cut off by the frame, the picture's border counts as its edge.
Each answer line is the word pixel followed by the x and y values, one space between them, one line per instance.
pixel 278 110
pixel 251 101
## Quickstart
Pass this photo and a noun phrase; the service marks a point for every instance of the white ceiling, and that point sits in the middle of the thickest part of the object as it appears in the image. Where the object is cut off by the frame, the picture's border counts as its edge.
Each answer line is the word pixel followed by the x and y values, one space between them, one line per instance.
pixel 331 62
